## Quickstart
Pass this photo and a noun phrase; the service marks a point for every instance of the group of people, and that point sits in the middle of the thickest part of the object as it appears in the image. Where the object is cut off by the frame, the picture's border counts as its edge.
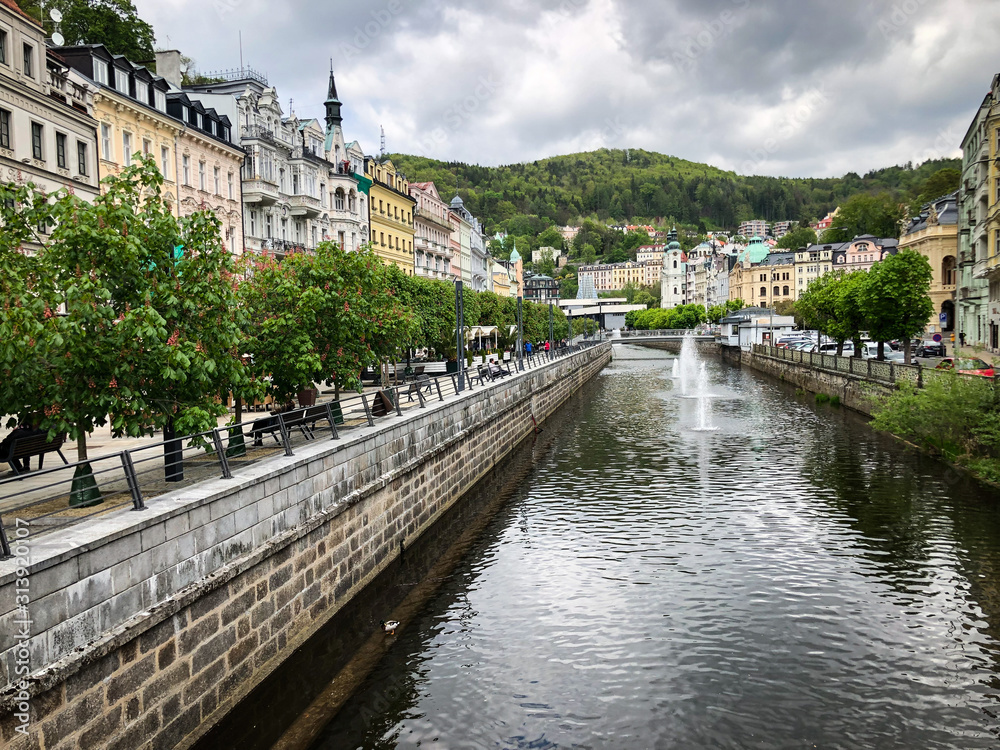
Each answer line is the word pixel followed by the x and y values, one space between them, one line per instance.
pixel 542 346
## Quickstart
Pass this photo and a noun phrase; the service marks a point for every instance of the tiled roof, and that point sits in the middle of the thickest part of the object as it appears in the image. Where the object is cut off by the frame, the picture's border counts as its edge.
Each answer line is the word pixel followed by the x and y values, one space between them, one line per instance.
pixel 14 7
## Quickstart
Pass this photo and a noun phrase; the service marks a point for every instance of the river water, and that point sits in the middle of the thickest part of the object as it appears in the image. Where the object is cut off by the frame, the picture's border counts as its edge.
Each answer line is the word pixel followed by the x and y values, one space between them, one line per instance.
pixel 789 580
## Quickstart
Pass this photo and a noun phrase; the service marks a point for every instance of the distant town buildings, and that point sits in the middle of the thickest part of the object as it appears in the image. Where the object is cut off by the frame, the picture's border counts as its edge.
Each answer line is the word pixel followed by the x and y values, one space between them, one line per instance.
pixel 753 228
pixel 934 234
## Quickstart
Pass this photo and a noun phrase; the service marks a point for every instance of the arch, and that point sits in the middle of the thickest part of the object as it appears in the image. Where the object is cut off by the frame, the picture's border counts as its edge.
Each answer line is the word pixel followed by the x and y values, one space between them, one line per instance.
pixel 947 316
pixel 763 291
pixel 948 270
pixel 777 291
pixel 784 291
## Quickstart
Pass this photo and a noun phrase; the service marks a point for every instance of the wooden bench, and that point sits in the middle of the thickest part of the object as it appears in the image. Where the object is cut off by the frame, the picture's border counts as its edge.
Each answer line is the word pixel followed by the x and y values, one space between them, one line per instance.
pixel 34 445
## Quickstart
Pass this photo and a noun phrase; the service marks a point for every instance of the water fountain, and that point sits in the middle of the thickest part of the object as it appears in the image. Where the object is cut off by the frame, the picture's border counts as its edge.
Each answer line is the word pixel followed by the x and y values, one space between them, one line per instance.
pixel 704 403
pixel 690 373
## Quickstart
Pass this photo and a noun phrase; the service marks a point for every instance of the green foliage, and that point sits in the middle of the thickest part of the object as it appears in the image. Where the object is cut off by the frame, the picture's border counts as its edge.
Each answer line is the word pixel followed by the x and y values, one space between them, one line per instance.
pixel 113 23
pixel 798 237
pixel 940 183
pixel 822 398
pixel 954 415
pixel 879 215
pixel 658 319
pixel 895 297
pixel 151 329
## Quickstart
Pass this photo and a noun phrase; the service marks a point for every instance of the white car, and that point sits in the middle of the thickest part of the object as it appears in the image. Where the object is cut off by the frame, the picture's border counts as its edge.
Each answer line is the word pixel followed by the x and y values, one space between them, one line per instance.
pixel 870 351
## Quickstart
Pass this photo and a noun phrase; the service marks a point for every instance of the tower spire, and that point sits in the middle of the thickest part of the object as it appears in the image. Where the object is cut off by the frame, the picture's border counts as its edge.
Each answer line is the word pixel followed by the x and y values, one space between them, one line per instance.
pixel 333 117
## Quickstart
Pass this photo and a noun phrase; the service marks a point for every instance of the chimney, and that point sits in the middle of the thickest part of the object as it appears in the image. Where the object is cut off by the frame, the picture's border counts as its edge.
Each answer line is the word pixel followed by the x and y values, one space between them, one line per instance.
pixel 168 66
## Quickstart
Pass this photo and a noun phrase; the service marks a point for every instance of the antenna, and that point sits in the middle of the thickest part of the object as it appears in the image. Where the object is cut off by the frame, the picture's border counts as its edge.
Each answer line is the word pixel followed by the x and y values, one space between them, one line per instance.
pixel 241 49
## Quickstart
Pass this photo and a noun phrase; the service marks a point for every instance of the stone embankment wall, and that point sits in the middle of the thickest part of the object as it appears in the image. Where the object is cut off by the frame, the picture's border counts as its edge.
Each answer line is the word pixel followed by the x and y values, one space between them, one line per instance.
pixel 147 627
pixel 855 392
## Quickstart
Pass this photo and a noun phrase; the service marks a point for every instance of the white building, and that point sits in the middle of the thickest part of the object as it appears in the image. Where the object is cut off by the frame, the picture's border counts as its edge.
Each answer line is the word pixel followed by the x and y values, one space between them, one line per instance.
pixel 48 135
pixel 755 325
pixel 781 228
pixel 753 228
pixel 673 278
pixel 432 251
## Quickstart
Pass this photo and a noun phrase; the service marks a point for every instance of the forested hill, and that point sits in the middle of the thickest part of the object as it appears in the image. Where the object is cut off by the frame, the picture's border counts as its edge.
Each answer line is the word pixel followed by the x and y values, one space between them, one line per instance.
pixel 631 185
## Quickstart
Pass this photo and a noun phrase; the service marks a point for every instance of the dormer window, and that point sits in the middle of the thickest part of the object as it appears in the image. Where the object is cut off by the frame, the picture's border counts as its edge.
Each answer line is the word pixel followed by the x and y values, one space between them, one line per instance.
pixel 187 114
pixel 160 100
pixel 101 71
pixel 121 80
pixel 200 122
pixel 142 91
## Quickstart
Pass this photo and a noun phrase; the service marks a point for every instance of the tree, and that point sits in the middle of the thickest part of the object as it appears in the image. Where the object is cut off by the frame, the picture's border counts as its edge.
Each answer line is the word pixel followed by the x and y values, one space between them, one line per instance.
pixel 878 215
pixel 817 305
pixel 850 316
pixel 798 237
pixel 546 264
pixel 113 23
pixel 896 299
pixel 588 255
pixel 941 183
pixel 716 313
pixel 149 336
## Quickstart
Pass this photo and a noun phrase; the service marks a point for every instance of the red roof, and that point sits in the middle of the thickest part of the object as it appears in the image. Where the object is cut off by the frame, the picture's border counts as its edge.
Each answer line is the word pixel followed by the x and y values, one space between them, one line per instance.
pixel 14 7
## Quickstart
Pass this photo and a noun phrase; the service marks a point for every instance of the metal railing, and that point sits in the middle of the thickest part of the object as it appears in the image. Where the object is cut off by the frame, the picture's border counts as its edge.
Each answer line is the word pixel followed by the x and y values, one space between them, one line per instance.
pixel 57 497
pixel 672 333
pixel 886 372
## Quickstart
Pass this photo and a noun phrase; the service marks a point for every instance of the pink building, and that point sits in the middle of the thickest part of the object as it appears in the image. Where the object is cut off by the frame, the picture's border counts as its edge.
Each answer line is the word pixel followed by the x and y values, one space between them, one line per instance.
pixel 432 232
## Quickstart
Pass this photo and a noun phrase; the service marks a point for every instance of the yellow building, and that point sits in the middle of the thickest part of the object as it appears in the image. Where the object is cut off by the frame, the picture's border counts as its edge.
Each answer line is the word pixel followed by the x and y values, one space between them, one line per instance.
pixel 934 234
pixel 391 213
pixel 990 269
pixel 130 106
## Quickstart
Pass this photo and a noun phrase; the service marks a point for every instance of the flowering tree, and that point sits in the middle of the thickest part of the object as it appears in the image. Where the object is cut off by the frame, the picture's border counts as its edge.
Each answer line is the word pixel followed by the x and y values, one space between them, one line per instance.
pixel 121 313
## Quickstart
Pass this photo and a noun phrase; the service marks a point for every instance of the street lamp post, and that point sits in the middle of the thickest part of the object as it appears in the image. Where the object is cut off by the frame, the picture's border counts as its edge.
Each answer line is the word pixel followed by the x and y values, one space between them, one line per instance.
pixel 552 343
pixel 460 334
pixel 520 333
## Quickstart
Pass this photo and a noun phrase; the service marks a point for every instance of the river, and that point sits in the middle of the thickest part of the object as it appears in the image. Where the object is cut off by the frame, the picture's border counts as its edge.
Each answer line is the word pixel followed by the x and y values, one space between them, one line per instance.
pixel 789 580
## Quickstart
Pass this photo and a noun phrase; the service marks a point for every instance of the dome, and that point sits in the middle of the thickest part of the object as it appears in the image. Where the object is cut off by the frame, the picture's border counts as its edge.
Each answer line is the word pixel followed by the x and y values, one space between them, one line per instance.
pixel 674 246
pixel 754 253
pixel 515 256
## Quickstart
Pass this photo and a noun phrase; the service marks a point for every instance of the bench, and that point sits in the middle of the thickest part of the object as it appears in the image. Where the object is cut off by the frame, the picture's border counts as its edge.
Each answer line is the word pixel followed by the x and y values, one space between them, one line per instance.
pixel 36 444
pixel 420 383
pixel 302 419
pixel 496 371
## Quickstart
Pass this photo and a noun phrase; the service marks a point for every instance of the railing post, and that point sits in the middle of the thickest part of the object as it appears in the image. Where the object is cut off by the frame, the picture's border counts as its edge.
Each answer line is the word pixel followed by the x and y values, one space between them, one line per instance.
pixel 5 552
pixel 892 373
pixel 333 422
pixel 220 450
pixel 285 437
pixel 869 361
pixel 395 392
pixel 437 383
pixel 468 379
pixel 368 411
pixel 132 480
pixel 420 398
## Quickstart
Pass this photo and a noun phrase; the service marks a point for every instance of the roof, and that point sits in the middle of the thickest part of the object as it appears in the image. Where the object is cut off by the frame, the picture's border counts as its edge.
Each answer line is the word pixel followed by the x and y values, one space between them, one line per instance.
pixel 754 253
pixel 940 211
pixel 785 258
pixel 16 9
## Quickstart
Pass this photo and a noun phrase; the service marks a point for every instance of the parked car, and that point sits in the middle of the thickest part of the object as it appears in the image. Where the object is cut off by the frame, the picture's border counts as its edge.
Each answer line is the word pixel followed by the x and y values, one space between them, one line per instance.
pixel 929 349
pixel 848 350
pixel 804 346
pixel 870 351
pixel 966 366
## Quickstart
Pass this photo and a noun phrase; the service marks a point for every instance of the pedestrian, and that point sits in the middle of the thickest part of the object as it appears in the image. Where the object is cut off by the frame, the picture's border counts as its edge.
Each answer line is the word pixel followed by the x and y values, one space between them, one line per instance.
pixel 527 348
pixel 546 346
pixel 961 337
pixel 24 429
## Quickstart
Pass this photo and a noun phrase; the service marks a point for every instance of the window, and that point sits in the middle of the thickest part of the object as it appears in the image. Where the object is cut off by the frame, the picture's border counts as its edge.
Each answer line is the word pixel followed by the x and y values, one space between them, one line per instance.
pixel 201 175
pixel 4 128
pixel 231 189
pixel 267 225
pixel 186 163
pixel 784 291
pixel 147 146
pixel 121 80
pixel 106 142
pixel 763 291
pixel 142 91
pixel 253 222
pixel 127 149
pixel 29 56
pixel 200 122
pixel 36 140
pixel 165 162
pixel 211 127
pixel 338 200
pixel 81 157
pixel 217 179
pixel 61 150
pixel 160 100
pixel 3 49
pixel 100 71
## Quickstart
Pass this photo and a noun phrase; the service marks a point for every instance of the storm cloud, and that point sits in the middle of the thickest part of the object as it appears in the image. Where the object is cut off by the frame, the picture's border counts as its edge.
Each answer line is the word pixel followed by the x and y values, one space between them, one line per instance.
pixel 782 87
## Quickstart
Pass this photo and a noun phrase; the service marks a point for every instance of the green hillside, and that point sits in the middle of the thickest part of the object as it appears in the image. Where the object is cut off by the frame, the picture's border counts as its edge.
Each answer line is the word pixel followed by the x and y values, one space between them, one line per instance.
pixel 615 185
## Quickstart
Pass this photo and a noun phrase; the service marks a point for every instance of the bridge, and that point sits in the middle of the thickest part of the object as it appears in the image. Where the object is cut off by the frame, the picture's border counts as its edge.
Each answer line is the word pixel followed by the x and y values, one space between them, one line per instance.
pixel 664 336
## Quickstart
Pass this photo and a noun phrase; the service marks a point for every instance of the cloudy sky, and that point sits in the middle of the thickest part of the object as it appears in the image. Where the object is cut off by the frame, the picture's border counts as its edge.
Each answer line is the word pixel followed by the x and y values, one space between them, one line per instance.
pixel 779 87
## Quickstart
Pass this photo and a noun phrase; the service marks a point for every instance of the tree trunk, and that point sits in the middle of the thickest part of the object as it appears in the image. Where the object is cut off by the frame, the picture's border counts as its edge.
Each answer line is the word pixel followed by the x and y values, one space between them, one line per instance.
pixel 857 348
pixel 881 351
pixel 81 447
pixel 840 348
pixel 906 351
pixel 83 491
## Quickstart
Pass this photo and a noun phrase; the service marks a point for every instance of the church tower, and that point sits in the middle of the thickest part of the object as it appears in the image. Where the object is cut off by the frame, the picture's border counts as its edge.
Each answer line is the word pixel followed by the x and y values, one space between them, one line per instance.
pixel 333 118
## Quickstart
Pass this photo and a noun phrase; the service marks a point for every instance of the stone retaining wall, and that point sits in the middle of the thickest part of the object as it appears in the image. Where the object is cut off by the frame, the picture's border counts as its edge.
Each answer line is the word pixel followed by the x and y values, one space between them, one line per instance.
pixel 147 627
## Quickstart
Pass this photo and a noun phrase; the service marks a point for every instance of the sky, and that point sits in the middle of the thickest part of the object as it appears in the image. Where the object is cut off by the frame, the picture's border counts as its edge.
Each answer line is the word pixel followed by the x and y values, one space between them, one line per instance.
pixel 800 88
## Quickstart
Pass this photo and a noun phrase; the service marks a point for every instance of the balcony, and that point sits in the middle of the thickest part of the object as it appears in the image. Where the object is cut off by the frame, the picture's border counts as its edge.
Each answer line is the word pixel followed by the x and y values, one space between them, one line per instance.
pixel 305 205
pixel 260 191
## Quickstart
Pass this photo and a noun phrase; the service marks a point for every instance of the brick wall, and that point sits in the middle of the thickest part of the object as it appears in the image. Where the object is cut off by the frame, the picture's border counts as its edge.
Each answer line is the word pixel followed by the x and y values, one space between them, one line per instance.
pixel 150 626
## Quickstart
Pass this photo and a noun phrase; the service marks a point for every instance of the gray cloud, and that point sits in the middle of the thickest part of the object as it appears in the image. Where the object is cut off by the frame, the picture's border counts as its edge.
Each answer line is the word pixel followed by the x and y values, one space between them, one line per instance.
pixel 792 87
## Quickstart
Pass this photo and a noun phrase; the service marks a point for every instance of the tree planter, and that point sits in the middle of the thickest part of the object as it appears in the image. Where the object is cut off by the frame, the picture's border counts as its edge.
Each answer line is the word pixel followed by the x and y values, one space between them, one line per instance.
pixel 307 397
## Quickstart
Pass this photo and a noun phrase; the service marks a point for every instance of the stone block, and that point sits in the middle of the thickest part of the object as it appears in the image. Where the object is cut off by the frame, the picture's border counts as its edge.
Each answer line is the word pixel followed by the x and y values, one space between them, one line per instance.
pixel 165 683
pixel 213 649
pixel 130 679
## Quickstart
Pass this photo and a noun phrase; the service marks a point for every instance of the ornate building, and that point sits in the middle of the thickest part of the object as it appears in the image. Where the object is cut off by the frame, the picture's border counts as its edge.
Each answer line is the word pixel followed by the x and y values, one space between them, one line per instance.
pixel 934 234
pixel 431 233
pixel 391 209
pixel 47 132
pixel 673 279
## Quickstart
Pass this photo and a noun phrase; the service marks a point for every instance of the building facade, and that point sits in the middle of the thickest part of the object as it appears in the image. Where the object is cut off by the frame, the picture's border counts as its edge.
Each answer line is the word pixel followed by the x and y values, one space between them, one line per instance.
pixel 130 105
pixel 673 277
pixel 811 263
pixel 973 225
pixel 934 234
pixel 432 251
pixel 540 288
pixel 753 228
pixel 461 239
pixel 47 131
pixel 208 166
pixel 391 209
